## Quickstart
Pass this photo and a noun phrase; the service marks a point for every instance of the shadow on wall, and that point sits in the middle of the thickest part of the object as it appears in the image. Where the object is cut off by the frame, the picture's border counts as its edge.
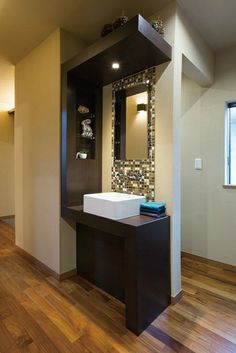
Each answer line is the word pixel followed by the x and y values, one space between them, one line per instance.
pixel 10 221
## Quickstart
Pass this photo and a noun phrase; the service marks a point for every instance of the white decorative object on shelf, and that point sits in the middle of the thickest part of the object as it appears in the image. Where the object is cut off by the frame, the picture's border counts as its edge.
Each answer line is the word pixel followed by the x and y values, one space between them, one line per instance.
pixel 87 131
pixel 81 155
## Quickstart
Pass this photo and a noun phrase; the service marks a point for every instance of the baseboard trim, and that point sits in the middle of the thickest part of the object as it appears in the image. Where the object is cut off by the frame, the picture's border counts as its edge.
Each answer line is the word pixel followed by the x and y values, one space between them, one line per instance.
pixel 44 268
pixel 7 217
pixel 41 266
pixel 68 274
pixel 176 299
pixel 204 260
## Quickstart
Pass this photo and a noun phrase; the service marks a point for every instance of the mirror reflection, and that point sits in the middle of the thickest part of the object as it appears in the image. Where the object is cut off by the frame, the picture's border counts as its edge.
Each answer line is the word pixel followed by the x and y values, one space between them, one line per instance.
pixel 131 123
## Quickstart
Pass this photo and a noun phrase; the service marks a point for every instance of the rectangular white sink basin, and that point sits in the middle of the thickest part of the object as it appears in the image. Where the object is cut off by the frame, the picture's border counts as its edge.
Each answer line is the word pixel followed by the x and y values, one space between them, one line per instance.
pixel 113 205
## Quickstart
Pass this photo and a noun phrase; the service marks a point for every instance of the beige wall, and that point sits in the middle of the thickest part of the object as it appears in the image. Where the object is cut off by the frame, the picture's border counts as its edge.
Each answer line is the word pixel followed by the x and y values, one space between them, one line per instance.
pixel 37 158
pixel 7 91
pixel 39 228
pixel 7 164
pixel 208 210
pixel 6 138
pixel 136 127
pixel 199 60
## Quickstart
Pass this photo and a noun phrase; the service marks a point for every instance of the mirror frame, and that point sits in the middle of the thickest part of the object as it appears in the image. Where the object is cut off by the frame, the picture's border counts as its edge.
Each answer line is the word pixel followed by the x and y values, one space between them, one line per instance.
pixel 123 170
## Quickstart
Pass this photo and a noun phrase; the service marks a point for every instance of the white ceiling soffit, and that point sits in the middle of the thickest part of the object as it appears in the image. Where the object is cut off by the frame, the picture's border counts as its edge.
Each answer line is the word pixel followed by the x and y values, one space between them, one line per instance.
pixel 25 23
pixel 214 20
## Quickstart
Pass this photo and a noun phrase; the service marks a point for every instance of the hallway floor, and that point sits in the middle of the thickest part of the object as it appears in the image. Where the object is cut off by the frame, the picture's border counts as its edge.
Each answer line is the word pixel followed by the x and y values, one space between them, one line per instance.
pixel 40 314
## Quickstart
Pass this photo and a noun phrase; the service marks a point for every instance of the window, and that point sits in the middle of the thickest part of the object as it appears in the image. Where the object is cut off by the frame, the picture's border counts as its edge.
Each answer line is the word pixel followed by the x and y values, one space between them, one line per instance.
pixel 231 143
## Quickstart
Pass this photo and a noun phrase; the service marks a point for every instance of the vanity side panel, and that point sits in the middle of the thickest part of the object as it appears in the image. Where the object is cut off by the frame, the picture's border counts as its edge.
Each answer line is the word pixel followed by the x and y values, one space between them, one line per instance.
pixel 153 271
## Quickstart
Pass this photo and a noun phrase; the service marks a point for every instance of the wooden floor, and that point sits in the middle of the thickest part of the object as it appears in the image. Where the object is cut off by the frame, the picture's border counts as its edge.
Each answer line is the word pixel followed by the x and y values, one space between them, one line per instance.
pixel 39 314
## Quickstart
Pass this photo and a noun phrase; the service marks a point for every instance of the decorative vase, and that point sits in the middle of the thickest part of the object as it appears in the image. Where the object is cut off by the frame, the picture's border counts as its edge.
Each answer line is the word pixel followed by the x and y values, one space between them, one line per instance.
pixel 107 28
pixel 121 21
pixel 158 25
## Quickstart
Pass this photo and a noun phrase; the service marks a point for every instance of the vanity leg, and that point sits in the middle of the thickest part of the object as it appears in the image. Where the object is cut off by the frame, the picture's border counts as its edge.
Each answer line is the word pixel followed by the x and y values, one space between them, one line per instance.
pixel 147 281
pixel 131 300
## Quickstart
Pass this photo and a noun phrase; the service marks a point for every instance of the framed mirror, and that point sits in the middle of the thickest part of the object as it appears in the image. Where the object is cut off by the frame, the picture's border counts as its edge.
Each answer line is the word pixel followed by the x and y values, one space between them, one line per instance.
pixel 133 134
pixel 131 123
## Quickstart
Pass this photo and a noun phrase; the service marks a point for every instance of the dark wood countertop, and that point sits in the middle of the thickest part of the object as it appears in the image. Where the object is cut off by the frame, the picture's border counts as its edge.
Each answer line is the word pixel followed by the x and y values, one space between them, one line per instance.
pixel 122 227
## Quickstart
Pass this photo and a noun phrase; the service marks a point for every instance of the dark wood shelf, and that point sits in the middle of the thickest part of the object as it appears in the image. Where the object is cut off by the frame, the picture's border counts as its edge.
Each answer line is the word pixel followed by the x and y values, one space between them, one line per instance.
pixel 136 46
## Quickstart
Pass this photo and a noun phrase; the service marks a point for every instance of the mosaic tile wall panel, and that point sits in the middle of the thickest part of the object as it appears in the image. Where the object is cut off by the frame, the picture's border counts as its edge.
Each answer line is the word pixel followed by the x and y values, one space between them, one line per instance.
pixel 124 170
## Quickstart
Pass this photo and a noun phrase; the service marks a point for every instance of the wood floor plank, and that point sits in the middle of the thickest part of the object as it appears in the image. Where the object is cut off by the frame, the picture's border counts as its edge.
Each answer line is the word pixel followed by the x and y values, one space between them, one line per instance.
pixel 192 311
pixel 7 343
pixel 54 315
pixel 17 332
pixel 39 314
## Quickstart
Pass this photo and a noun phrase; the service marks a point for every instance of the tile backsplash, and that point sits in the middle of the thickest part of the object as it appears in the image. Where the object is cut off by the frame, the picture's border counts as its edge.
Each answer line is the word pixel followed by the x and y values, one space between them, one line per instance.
pixel 136 176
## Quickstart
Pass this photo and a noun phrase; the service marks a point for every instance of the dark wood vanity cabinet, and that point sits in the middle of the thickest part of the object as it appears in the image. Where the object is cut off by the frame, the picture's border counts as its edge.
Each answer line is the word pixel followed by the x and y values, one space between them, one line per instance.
pixel 130 259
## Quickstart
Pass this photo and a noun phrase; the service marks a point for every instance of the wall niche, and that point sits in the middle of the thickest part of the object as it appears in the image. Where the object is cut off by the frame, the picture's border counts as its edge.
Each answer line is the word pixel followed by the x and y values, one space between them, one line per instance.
pixel 83 104
pixel 86 121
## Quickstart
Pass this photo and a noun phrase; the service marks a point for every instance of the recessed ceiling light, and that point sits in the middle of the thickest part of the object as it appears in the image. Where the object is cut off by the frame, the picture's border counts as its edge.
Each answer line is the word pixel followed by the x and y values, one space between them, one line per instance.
pixel 115 66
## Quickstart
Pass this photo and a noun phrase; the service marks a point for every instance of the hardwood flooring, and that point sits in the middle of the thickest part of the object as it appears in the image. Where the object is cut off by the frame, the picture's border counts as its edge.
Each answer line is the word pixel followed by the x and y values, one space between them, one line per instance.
pixel 40 314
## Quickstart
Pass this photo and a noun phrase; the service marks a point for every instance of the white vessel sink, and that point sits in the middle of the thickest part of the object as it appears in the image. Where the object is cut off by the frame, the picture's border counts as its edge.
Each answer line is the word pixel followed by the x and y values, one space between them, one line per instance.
pixel 113 205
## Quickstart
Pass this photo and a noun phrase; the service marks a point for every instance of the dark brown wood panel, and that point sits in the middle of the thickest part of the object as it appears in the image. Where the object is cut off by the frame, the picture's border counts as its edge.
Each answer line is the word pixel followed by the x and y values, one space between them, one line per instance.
pixel 79 176
pixel 136 46
pixel 100 259
pixel 131 262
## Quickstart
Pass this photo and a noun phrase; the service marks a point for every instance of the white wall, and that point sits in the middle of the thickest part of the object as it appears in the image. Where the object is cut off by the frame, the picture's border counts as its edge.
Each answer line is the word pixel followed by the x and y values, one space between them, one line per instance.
pixel 208 210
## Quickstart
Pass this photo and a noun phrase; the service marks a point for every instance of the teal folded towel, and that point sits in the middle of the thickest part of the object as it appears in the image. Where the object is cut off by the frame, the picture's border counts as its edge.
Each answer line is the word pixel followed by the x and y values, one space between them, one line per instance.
pixel 152 206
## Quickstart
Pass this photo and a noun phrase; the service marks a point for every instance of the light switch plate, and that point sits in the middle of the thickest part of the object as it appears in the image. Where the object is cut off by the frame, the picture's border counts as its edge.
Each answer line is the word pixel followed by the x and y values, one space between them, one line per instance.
pixel 198 163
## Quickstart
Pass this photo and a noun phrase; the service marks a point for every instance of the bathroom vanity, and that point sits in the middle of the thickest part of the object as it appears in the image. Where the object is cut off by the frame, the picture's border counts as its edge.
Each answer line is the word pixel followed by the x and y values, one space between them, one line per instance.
pixel 130 257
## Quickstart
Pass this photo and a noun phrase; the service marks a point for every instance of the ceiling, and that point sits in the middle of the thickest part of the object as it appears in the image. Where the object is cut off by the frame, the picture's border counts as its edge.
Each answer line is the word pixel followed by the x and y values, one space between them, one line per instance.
pixel 214 20
pixel 25 23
